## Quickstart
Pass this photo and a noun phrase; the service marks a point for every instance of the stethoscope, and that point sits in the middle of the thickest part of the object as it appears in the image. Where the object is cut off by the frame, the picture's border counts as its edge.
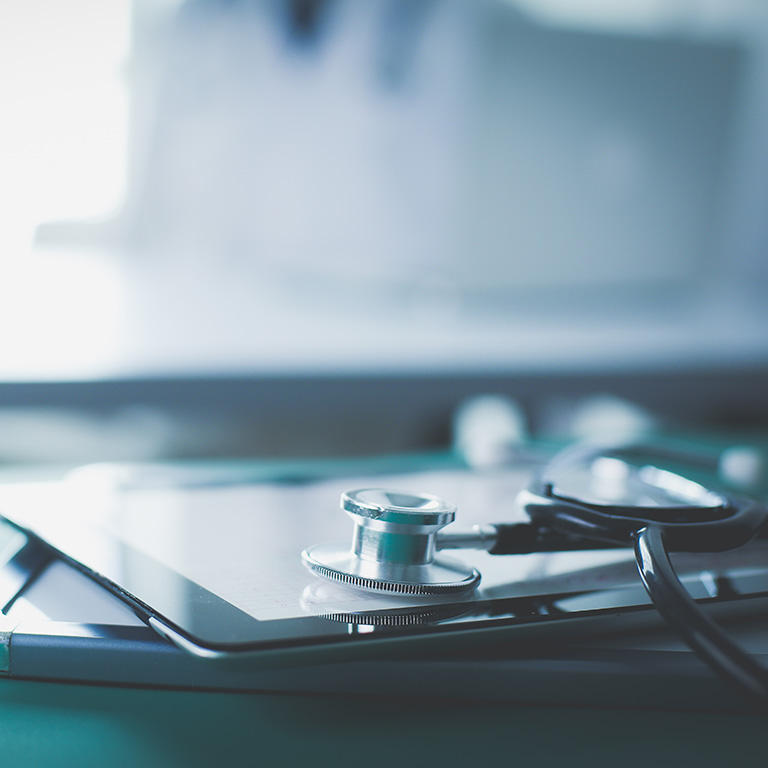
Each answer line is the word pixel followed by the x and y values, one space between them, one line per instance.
pixel 398 539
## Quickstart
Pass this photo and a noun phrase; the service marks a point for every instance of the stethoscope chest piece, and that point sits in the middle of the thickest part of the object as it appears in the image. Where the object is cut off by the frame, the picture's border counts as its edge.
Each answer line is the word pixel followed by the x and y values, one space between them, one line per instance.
pixel 393 546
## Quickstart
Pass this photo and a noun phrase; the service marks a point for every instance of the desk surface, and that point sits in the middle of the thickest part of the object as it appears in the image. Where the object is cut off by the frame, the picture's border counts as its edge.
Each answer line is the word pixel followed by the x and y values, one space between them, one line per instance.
pixel 54 724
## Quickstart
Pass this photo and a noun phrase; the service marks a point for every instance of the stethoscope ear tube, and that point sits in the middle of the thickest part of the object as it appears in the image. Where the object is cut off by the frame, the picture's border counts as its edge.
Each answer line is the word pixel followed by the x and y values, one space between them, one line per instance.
pixel 713 523
pixel 688 619
pixel 729 525
pixel 526 538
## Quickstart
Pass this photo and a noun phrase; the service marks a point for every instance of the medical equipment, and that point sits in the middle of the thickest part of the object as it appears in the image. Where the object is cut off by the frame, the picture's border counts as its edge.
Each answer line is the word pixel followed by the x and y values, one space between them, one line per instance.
pixel 586 498
pixel 393 546
pixel 214 566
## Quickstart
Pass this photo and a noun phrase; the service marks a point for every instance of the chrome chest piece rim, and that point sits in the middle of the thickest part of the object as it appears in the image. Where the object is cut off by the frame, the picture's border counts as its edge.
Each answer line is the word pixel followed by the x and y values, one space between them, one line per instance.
pixel 393 546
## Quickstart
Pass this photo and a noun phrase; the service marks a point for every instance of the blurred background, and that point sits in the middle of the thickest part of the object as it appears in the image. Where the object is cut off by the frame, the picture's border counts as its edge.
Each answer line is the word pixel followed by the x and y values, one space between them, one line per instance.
pixel 234 228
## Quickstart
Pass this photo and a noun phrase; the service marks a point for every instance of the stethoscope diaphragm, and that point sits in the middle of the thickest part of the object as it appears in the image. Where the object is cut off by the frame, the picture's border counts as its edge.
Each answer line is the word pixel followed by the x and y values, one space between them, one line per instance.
pixel 393 546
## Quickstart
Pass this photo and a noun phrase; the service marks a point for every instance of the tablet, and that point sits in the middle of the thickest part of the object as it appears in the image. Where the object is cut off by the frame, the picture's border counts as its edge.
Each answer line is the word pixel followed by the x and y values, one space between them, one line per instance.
pixel 217 568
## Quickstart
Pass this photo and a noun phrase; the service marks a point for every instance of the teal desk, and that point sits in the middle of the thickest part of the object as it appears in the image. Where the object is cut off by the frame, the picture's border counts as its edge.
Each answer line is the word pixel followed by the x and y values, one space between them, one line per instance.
pixel 46 724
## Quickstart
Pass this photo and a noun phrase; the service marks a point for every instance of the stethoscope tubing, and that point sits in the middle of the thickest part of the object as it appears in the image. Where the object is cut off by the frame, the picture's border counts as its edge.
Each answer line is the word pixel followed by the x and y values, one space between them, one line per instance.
pixel 688 619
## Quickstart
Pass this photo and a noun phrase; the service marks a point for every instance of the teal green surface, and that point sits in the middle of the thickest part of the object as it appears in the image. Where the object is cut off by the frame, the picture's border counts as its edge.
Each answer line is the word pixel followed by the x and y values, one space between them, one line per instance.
pixel 46 724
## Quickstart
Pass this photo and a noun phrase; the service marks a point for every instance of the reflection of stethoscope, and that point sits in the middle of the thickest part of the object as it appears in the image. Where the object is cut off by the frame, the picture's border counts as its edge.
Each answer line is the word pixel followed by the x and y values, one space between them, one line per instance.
pixel 397 534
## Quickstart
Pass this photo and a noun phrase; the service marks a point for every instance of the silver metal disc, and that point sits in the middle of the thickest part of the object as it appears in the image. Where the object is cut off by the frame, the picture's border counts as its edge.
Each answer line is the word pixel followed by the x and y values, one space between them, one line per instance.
pixel 443 576
pixel 388 506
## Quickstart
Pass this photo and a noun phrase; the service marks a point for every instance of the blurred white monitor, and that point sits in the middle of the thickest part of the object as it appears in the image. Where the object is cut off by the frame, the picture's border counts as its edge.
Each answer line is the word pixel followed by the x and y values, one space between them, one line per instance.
pixel 317 186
